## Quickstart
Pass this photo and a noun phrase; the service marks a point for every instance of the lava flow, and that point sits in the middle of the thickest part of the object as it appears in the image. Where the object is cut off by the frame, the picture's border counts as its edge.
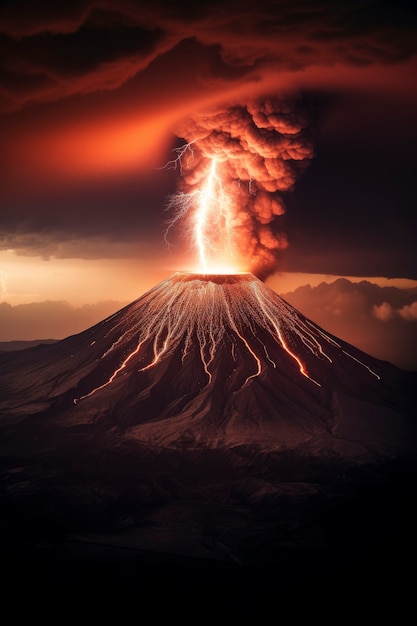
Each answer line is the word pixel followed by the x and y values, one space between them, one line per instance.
pixel 215 312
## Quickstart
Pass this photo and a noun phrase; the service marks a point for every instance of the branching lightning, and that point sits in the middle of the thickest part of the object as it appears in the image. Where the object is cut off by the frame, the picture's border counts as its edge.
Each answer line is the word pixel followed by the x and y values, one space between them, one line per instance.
pixel 206 217
pixel 181 152
pixel 236 164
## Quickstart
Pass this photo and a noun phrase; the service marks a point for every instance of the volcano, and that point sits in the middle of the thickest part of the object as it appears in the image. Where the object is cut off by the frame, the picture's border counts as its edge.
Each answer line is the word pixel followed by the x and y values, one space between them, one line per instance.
pixel 206 422
pixel 218 361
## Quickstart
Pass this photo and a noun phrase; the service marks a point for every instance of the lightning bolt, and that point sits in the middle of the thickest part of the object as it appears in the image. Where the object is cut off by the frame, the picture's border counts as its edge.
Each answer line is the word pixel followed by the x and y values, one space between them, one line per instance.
pixel 181 152
pixel 201 218
pixel 210 225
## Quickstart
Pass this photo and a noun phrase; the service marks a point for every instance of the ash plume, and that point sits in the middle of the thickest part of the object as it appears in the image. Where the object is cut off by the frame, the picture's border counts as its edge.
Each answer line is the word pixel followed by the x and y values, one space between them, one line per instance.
pixel 262 147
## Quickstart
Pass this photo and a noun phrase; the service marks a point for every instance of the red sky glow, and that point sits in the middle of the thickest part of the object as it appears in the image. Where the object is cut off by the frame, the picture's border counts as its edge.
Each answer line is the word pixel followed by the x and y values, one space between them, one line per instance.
pixel 96 94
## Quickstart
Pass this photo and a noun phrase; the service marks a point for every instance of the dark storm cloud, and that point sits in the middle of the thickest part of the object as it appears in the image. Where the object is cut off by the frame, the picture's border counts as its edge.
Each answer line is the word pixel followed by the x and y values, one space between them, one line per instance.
pixel 65 64
pixel 353 212
pixel 100 52
pixel 52 50
pixel 115 218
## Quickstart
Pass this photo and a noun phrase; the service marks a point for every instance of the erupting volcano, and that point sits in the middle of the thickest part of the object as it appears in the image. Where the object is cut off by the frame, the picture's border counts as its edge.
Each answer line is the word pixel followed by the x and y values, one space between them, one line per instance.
pixel 209 419
pixel 206 425
pixel 237 164
pixel 214 360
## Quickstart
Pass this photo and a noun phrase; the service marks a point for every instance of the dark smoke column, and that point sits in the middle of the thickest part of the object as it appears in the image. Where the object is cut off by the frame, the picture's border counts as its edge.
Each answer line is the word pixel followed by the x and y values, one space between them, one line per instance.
pixel 262 148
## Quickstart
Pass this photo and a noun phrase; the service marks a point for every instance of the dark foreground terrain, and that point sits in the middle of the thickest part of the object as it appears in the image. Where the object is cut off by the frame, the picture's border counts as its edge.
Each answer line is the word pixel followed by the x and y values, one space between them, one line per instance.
pixel 100 521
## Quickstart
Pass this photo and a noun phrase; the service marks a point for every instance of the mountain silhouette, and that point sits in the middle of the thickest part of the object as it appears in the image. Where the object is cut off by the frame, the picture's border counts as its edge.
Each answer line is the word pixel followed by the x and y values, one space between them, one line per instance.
pixel 208 422
pixel 214 360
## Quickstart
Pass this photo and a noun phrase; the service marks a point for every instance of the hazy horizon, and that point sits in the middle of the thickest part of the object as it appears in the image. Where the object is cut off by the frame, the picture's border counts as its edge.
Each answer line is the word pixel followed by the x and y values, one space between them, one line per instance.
pixel 380 319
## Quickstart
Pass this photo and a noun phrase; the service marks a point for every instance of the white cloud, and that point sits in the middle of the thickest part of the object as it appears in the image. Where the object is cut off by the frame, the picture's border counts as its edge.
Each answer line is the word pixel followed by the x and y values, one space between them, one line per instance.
pixel 409 312
pixel 384 311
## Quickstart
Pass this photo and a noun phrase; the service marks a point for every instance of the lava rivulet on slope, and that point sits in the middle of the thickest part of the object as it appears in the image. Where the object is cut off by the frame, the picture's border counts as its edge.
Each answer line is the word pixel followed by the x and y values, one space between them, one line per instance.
pixel 217 360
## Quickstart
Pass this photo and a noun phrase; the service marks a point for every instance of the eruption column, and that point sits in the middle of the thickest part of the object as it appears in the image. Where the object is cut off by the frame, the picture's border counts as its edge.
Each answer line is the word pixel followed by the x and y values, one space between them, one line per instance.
pixel 263 147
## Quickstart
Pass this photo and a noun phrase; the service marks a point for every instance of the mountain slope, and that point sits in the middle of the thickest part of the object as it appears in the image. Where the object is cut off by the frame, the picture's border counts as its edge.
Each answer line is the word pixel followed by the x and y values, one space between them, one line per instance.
pixel 214 360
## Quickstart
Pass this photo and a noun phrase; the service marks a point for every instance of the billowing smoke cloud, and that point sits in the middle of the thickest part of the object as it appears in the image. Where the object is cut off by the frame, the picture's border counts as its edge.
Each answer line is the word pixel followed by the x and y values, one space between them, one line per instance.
pixel 386 312
pixel 262 147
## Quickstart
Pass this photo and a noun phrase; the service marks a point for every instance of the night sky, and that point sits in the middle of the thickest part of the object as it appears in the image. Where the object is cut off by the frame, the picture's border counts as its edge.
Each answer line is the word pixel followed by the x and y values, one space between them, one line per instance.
pixel 94 97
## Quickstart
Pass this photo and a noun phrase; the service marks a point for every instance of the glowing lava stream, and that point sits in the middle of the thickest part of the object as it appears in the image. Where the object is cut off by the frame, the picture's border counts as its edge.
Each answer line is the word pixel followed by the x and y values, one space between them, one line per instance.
pixel 204 311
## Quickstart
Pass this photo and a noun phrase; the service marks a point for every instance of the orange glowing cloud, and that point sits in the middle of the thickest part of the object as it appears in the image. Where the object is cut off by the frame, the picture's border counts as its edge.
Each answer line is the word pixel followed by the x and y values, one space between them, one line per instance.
pixel 236 163
pixel 97 89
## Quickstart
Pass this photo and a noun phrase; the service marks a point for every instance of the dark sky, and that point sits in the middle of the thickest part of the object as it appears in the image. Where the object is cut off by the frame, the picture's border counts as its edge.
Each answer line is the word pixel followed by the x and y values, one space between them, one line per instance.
pixel 92 92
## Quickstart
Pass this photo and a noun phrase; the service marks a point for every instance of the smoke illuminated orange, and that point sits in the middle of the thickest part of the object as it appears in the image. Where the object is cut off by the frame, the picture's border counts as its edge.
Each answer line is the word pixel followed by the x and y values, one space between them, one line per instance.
pixel 238 162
